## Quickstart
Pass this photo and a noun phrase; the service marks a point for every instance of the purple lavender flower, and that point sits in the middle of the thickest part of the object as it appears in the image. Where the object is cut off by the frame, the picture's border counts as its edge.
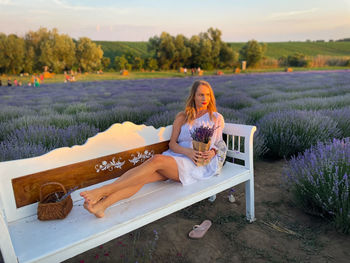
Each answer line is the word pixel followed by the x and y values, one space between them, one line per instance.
pixel 319 181
pixel 203 133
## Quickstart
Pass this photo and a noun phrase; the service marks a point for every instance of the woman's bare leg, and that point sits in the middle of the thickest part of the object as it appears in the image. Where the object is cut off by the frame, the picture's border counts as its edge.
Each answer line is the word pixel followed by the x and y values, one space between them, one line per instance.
pixel 98 208
pixel 158 168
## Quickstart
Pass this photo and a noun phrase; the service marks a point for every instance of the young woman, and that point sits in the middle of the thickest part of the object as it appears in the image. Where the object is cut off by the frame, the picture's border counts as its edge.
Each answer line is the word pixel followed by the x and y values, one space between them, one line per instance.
pixel 178 163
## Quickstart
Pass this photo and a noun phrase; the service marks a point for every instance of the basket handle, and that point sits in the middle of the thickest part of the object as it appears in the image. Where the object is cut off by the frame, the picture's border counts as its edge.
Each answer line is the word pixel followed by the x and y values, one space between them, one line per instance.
pixel 42 186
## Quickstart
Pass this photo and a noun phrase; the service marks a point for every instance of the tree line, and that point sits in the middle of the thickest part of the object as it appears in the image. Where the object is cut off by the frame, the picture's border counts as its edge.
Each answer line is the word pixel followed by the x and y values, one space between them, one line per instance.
pixel 59 52
pixel 47 48
pixel 205 50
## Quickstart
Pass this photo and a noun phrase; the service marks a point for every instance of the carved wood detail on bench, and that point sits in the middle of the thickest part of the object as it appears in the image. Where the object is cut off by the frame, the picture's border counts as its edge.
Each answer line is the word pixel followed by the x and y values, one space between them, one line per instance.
pixel 83 174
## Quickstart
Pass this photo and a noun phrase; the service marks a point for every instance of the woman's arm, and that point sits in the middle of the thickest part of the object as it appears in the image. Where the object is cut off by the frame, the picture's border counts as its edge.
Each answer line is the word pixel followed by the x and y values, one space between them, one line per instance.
pixel 180 119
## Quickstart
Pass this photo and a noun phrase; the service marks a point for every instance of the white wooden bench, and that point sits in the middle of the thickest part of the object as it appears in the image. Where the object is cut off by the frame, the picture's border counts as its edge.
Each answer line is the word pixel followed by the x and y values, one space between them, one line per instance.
pixel 23 238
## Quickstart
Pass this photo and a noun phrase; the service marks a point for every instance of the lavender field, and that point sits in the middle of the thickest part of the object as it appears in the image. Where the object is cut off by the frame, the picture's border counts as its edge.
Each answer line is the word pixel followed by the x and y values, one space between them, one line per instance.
pixel 292 110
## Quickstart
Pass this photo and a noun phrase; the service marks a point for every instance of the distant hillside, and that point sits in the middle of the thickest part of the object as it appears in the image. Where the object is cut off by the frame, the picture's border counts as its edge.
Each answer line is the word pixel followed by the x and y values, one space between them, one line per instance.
pixel 274 49
pixel 112 49
pixel 278 49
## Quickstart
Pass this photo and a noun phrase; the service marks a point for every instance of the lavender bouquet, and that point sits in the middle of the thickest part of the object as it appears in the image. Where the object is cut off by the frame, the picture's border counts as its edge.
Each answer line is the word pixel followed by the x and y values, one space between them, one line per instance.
pixel 201 141
pixel 203 133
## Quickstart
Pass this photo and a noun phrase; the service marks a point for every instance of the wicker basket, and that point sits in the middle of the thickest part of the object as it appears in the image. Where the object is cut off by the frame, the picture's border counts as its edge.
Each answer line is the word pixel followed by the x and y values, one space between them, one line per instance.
pixel 49 208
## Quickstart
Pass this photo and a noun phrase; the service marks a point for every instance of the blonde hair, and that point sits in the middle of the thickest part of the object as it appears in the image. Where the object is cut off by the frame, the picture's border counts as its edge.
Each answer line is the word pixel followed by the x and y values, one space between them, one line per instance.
pixel 190 108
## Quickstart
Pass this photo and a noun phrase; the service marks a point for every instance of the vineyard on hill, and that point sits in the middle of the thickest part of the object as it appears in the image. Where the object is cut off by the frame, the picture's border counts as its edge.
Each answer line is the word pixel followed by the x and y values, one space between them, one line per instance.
pixel 275 50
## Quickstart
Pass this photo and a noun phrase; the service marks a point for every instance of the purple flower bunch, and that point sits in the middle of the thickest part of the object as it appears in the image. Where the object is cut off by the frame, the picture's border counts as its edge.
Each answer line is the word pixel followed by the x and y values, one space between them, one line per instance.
pixel 203 133
pixel 319 180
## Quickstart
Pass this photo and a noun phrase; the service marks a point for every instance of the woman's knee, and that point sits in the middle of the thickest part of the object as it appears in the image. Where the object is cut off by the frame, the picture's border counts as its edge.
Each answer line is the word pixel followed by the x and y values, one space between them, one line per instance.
pixel 157 160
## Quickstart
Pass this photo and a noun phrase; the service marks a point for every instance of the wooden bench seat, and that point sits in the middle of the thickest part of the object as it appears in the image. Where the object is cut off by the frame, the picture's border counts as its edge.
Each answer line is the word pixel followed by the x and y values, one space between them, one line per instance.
pixel 26 239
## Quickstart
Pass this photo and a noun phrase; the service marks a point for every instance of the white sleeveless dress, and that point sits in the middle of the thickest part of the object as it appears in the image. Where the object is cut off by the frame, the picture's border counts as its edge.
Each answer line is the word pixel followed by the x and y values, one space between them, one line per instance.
pixel 189 173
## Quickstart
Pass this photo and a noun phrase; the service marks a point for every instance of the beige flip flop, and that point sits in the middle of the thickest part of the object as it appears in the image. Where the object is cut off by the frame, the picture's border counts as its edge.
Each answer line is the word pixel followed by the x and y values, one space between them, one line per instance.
pixel 200 230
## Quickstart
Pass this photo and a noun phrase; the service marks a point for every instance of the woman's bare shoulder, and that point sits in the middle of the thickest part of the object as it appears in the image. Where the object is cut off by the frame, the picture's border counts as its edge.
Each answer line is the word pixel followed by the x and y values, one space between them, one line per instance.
pixel 180 118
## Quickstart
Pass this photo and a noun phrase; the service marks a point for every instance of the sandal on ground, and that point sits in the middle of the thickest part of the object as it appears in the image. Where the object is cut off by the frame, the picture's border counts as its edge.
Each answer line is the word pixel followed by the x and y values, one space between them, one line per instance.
pixel 200 230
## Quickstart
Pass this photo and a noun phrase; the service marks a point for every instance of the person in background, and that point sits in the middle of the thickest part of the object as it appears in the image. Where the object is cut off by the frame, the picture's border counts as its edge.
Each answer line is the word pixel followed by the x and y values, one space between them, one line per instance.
pixel 36 82
pixel 9 83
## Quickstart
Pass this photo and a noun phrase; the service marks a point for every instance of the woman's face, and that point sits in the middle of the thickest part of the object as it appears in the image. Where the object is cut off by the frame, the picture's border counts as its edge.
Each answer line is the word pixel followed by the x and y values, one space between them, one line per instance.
pixel 202 97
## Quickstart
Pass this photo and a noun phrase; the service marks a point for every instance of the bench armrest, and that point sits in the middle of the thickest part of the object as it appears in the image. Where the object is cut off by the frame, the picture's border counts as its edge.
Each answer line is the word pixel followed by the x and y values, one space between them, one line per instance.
pixel 239 148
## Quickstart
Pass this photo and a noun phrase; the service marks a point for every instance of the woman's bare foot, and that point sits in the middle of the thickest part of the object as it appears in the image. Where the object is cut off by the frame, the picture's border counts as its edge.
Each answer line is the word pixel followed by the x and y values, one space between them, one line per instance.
pixel 95 209
pixel 93 196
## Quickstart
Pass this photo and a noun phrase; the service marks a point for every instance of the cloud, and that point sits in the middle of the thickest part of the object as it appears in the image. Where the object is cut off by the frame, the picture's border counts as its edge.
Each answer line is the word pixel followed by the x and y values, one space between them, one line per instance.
pixel 290 14
pixel 66 5
pixel 6 2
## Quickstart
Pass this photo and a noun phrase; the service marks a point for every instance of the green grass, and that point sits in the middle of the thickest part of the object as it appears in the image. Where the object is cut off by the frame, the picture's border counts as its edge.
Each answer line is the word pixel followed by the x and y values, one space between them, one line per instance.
pixel 147 75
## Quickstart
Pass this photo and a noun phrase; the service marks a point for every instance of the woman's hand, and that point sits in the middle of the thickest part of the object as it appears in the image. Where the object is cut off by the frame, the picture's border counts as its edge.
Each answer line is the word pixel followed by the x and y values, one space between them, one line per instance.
pixel 208 155
pixel 194 155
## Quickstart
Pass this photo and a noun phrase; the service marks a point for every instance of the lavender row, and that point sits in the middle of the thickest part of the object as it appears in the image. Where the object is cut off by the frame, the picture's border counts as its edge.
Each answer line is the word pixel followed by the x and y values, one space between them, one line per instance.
pixel 319 181
pixel 297 104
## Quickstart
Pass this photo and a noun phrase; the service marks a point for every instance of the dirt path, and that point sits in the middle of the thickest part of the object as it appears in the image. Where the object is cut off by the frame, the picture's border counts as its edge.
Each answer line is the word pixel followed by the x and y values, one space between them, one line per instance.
pixel 282 232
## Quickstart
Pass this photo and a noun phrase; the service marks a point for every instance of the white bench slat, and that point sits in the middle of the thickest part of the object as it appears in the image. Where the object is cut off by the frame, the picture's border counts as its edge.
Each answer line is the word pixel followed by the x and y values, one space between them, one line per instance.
pixel 83 231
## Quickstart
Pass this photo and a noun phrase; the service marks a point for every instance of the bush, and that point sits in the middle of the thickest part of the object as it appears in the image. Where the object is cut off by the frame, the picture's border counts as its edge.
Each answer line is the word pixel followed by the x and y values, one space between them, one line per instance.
pixel 36 140
pixel 342 117
pixel 319 181
pixel 252 52
pixel 162 119
pixel 236 100
pixel 290 132
pixel 298 60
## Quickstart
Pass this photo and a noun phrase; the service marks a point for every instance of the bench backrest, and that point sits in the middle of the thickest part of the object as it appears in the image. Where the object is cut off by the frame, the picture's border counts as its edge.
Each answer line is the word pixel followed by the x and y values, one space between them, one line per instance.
pixel 100 158
pixel 103 157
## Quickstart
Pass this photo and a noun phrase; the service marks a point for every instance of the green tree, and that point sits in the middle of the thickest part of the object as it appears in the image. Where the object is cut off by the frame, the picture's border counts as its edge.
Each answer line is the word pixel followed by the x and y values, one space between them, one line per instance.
pixel 57 52
pixel 298 60
pixel 252 52
pixel 216 44
pixel 153 45
pixel 195 45
pixel 120 62
pixel 3 40
pixel 138 63
pixel 12 50
pixel 205 54
pixel 228 58
pixel 89 55
pixel 105 62
pixel 34 41
pixel 166 51
pixel 29 59
pixel 152 64
pixel 182 52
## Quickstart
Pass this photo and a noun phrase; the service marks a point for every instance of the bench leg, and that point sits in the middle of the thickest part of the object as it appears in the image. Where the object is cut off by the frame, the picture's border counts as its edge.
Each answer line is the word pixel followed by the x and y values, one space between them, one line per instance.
pixel 7 250
pixel 249 200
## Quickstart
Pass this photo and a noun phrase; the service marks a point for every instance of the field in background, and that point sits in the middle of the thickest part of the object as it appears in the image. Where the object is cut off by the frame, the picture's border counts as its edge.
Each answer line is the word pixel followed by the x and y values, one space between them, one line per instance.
pixel 59 78
pixel 308 106
pixel 274 49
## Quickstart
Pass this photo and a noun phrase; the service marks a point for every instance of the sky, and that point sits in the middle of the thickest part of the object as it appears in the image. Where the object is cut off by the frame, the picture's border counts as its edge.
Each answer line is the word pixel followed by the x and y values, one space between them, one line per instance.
pixel 138 20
